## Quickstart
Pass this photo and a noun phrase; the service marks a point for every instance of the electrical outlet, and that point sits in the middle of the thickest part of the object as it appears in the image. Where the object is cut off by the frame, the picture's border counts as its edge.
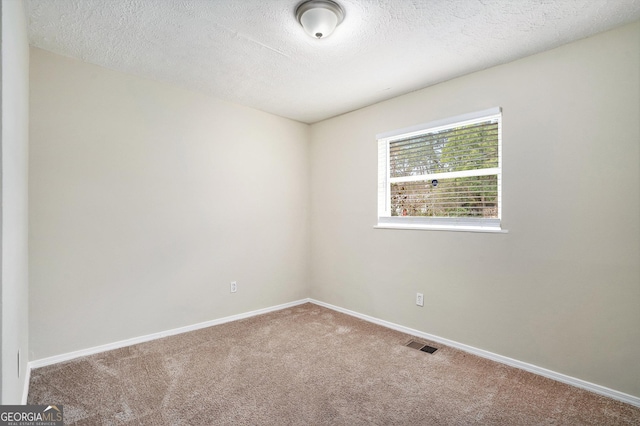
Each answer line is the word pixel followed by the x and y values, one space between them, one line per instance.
pixel 234 286
pixel 419 299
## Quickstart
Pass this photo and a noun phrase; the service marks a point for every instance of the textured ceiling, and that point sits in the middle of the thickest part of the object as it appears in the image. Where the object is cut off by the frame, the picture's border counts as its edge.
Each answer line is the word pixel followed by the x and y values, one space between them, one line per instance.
pixel 253 52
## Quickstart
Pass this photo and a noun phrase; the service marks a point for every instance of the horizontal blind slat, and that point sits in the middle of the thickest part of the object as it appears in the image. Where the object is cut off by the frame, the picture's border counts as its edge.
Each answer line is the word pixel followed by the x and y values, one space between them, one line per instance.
pixel 462 148
pixel 441 139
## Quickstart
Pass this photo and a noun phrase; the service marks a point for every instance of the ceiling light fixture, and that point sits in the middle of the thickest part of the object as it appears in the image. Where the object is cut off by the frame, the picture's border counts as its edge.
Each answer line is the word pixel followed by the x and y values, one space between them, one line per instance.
pixel 319 17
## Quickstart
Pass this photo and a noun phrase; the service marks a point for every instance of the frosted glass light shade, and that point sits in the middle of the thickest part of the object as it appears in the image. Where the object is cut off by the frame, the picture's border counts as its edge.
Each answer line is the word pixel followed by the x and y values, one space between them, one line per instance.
pixel 319 17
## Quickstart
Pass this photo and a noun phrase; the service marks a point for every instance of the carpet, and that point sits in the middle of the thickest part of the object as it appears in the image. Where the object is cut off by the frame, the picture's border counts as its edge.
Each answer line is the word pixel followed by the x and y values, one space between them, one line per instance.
pixel 309 365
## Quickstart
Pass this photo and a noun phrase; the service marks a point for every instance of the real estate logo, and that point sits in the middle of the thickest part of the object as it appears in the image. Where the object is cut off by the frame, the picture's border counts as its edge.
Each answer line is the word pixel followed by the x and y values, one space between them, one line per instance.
pixel 31 415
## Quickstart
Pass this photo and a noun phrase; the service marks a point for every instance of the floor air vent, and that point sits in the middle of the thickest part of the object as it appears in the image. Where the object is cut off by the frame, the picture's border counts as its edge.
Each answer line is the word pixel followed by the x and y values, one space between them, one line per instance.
pixel 421 346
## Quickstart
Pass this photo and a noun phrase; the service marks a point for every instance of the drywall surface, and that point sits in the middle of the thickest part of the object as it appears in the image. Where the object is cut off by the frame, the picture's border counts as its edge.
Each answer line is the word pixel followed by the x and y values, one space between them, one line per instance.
pixel 148 200
pixel 255 53
pixel 15 148
pixel 561 289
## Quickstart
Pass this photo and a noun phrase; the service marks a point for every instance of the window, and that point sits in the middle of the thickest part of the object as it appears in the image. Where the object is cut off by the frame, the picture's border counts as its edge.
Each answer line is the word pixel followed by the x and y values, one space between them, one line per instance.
pixel 442 175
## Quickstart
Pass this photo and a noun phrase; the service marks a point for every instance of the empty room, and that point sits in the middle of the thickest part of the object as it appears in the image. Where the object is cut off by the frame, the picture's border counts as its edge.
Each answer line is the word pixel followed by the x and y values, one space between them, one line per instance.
pixel 320 212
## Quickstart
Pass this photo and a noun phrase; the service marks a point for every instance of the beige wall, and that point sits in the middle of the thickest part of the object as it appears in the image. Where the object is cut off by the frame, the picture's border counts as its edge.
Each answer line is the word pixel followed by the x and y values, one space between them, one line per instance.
pixel 561 290
pixel 147 200
pixel 14 230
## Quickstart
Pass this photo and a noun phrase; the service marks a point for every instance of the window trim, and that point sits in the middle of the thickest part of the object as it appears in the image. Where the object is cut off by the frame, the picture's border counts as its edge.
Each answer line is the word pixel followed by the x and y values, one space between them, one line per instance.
pixel 386 221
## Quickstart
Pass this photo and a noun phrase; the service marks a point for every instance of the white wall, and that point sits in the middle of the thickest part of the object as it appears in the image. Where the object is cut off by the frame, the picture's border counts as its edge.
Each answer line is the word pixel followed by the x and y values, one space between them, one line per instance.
pixel 561 290
pixel 147 200
pixel 15 146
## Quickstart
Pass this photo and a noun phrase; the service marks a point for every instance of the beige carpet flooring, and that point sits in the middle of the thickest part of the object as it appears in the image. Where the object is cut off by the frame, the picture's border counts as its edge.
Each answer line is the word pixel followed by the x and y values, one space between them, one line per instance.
pixel 308 365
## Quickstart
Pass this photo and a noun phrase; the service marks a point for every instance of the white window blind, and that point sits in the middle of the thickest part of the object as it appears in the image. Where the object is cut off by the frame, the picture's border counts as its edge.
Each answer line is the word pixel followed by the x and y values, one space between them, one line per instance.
pixel 446 173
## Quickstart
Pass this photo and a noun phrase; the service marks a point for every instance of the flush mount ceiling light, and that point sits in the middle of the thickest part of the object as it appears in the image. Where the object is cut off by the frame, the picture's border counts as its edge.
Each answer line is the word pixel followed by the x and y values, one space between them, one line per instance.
pixel 319 17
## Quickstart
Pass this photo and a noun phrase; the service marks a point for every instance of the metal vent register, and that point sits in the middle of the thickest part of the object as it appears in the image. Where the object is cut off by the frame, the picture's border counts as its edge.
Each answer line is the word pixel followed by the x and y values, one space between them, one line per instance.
pixel 421 346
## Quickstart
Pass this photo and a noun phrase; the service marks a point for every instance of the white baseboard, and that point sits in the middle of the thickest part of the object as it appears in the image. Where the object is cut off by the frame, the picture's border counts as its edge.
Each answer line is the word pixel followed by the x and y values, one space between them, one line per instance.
pixel 620 396
pixel 611 393
pixel 133 341
pixel 25 389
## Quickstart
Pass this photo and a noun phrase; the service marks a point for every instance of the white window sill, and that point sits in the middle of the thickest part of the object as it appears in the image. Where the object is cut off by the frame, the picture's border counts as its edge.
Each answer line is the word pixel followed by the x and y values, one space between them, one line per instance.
pixel 481 229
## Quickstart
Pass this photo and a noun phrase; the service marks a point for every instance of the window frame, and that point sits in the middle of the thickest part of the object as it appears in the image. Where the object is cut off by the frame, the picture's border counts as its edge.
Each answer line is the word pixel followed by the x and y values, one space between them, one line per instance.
pixel 387 221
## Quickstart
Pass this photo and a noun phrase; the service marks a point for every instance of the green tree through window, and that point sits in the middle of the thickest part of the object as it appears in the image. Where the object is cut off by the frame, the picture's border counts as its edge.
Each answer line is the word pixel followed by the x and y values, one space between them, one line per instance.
pixel 450 171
